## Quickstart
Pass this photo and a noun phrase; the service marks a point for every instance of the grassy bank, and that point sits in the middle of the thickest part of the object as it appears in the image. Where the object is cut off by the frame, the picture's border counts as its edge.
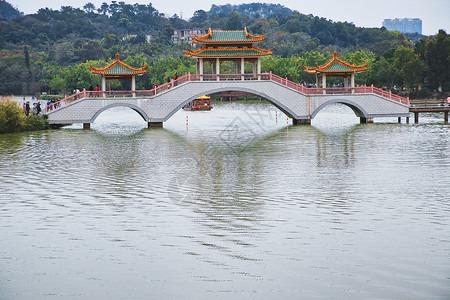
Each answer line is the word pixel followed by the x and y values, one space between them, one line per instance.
pixel 13 119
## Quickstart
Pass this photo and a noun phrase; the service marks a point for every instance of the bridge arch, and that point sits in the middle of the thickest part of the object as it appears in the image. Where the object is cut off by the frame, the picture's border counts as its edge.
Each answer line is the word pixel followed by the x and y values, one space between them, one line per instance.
pixel 357 109
pixel 286 110
pixel 137 109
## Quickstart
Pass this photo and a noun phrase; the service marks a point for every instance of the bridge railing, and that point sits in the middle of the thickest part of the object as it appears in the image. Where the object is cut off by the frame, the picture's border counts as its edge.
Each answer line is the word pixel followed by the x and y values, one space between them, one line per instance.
pixel 65 101
pixel 428 103
pixel 336 90
pixel 221 77
pixel 383 93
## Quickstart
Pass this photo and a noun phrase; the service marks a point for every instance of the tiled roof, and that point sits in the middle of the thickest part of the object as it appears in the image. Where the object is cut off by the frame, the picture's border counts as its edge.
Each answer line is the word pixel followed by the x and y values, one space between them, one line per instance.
pixel 228 36
pixel 118 68
pixel 338 67
pixel 228 52
pixel 220 36
pixel 335 65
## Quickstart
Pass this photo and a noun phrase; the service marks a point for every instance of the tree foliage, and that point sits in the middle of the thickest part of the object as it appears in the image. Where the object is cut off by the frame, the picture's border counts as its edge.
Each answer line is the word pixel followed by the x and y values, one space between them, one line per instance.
pixel 51 51
pixel 8 12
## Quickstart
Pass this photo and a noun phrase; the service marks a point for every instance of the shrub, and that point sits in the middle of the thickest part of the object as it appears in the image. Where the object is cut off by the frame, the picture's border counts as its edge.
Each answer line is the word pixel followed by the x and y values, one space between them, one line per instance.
pixel 12 118
pixel 35 123
pixel 11 115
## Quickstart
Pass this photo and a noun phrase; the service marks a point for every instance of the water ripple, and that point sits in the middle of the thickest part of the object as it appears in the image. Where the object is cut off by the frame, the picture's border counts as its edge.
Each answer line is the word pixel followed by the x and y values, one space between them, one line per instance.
pixel 227 209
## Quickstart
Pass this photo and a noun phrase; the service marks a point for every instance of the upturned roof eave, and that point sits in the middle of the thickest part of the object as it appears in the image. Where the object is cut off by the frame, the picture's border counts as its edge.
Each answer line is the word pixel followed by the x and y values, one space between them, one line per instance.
pixel 210 53
pixel 208 38
pixel 324 68
pixel 129 70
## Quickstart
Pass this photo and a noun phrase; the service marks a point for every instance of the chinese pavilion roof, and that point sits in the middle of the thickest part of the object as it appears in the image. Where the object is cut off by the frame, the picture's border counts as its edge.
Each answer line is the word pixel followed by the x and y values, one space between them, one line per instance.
pixel 227 37
pixel 118 68
pixel 228 52
pixel 336 66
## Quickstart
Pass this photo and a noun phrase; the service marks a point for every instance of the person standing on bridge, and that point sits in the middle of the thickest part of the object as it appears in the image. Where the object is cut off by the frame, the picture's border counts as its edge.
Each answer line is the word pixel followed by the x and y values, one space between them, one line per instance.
pixel 175 77
pixel 96 91
pixel 91 89
pixel 448 100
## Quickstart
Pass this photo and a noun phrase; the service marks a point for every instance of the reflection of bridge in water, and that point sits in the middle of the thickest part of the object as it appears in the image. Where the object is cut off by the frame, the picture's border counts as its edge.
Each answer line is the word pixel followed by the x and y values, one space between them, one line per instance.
pixel 297 101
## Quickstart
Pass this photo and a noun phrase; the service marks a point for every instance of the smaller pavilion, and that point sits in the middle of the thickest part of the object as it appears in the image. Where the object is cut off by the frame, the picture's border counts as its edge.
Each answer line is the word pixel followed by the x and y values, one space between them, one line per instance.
pixel 119 70
pixel 335 68
pixel 219 46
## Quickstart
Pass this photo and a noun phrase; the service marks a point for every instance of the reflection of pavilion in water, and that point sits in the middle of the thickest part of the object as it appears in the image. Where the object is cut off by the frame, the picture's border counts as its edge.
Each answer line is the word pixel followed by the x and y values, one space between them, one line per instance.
pixel 336 150
pixel 226 191
pixel 222 172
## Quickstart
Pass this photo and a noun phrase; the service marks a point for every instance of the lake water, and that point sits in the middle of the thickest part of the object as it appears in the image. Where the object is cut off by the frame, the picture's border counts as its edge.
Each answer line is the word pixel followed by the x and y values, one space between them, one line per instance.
pixel 235 205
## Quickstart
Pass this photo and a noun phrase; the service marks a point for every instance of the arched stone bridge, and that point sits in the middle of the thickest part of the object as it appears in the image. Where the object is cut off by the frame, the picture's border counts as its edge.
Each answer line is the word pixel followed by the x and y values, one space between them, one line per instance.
pixel 298 102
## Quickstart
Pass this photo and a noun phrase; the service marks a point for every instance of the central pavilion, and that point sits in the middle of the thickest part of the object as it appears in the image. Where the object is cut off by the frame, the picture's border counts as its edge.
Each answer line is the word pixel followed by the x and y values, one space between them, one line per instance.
pixel 219 46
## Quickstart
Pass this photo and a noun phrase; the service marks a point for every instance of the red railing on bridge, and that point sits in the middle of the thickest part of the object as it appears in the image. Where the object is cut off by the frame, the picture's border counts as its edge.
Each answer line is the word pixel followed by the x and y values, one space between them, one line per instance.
pixel 337 90
pixel 429 103
pixel 229 77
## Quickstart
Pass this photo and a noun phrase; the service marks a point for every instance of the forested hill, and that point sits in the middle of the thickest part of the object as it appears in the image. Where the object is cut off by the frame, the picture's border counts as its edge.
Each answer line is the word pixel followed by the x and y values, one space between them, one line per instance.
pixel 252 9
pixel 8 12
pixel 289 31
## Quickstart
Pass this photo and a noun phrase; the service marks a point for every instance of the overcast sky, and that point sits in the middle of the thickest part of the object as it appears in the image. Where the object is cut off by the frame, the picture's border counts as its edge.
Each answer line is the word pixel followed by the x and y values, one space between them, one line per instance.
pixel 435 14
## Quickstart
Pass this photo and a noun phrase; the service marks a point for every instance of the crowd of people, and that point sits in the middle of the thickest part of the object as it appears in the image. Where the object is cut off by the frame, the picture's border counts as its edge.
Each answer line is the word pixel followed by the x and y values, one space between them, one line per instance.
pixel 36 110
pixel 51 104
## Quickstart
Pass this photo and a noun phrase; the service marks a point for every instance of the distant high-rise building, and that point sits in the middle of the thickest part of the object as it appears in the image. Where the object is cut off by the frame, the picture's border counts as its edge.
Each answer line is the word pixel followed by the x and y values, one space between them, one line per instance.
pixel 405 25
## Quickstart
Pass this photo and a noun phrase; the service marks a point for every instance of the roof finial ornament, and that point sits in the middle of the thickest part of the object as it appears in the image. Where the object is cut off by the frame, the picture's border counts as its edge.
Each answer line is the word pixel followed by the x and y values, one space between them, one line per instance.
pixel 117 56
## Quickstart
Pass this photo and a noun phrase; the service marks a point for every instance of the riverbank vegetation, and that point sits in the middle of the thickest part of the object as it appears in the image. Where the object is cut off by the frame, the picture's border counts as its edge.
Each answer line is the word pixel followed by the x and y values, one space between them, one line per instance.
pixel 51 51
pixel 13 119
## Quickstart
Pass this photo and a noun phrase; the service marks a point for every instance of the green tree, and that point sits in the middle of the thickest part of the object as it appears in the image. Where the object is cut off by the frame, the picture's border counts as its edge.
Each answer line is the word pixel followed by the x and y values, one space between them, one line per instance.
pixel 103 9
pixel 58 85
pixel 413 73
pixel 402 57
pixel 91 50
pixel 293 25
pixel 359 58
pixel 8 12
pixel 381 73
pixel 63 53
pixel 198 18
pixel 234 21
pixel 89 7
pixel 27 57
pixel 436 57
pixel 79 76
